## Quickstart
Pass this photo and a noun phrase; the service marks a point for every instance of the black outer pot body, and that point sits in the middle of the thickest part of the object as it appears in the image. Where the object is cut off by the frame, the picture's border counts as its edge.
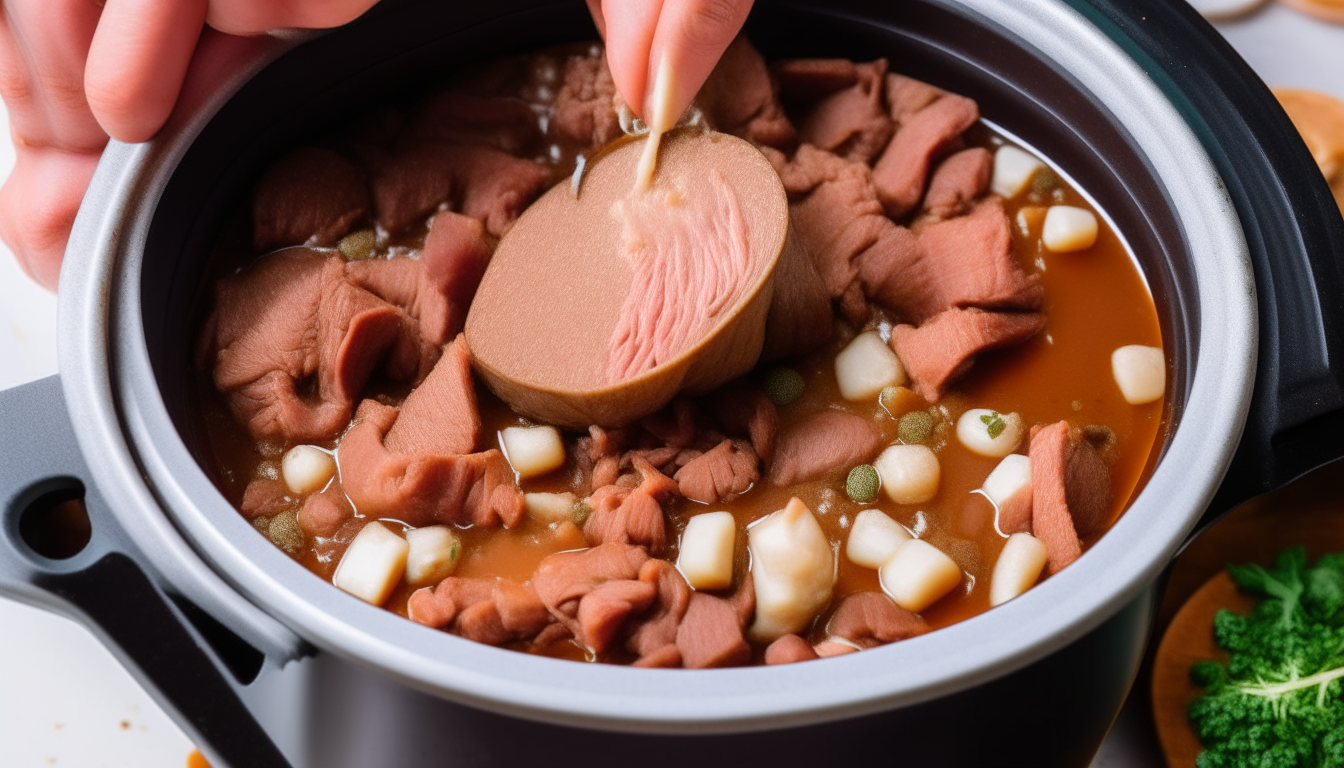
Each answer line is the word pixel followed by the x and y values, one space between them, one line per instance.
pixel 1052 712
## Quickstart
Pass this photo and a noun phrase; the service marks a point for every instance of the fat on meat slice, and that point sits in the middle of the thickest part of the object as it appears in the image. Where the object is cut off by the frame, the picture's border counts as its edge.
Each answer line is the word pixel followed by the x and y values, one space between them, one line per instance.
pixel 870 619
pixel 821 444
pixel 740 97
pixel 789 649
pixel 725 471
pixel 966 261
pixel 922 135
pixel 491 611
pixel 943 349
pixel 437 288
pixel 744 409
pixel 310 196
pixel 631 515
pixel 958 182
pixel 416 464
pixel 1070 492
pixel 852 122
pixel 566 580
pixel 478 181
pixel 585 110
pixel 461 117
pixel 294 321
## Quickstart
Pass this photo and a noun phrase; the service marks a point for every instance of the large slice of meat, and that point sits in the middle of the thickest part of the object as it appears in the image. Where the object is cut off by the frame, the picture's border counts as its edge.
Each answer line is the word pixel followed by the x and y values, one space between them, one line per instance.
pixel 938 352
pixel 292 341
pixel 310 196
pixel 416 465
pixel 1071 488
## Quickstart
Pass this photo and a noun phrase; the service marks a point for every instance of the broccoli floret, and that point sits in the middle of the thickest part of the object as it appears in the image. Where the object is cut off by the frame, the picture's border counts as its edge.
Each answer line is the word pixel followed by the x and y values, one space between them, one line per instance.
pixel 1278 701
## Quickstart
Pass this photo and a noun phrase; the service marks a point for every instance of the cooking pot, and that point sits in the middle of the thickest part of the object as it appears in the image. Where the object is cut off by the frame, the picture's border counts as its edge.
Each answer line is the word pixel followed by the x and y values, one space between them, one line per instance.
pixel 1138 101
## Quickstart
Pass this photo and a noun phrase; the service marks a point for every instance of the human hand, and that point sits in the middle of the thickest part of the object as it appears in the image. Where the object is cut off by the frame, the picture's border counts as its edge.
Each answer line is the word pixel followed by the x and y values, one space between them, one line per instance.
pixel 687 36
pixel 74 72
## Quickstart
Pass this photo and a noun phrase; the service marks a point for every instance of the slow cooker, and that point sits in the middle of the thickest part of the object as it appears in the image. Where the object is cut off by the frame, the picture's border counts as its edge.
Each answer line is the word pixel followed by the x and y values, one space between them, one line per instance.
pixel 263 664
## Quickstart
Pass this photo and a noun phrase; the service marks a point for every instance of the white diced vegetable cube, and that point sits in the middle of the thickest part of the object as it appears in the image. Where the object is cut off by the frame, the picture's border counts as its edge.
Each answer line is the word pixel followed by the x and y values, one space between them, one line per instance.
pixel 910 473
pixel 866 366
pixel 1019 566
pixel 549 507
pixel 1013 169
pixel 918 575
pixel 532 451
pixel 1011 475
pixel 373 564
pixel 1068 228
pixel 1140 372
pixel 792 568
pixel 874 538
pixel 307 468
pixel 706 558
pixel 990 433
pixel 432 554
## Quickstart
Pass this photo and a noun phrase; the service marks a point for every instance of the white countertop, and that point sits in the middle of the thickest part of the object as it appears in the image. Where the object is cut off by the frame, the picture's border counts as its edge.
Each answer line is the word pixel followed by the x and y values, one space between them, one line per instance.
pixel 65 701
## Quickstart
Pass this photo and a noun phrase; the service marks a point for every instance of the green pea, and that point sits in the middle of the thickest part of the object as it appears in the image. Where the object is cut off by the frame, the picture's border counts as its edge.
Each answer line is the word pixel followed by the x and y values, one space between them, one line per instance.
pixel 915 427
pixel 783 385
pixel 862 484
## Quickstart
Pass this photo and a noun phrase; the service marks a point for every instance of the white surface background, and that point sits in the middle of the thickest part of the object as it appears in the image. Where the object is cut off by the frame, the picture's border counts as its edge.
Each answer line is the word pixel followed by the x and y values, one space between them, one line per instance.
pixel 64 701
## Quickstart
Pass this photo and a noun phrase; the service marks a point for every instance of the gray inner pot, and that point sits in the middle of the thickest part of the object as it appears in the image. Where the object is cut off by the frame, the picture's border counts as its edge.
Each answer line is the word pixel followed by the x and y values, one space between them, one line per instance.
pixel 133 296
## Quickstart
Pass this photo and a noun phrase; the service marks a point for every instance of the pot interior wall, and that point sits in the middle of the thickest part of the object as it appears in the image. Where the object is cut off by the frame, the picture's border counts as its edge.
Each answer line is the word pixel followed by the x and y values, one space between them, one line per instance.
pixel 401 47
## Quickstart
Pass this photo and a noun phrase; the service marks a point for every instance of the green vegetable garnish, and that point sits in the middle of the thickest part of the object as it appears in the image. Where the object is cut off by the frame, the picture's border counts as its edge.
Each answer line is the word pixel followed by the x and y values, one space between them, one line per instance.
pixel 782 385
pixel 455 551
pixel 994 424
pixel 915 427
pixel 1044 182
pixel 862 484
pixel 357 246
pixel 1278 701
pixel 581 512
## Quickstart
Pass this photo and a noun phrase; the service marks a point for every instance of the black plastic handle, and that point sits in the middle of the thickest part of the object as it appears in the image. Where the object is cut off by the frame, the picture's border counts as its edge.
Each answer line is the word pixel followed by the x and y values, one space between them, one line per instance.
pixel 1293 227
pixel 104 587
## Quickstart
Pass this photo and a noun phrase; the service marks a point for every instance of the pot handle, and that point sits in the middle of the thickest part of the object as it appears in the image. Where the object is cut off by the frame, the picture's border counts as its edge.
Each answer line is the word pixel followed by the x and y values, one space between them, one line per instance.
pixel 74 559
pixel 1294 230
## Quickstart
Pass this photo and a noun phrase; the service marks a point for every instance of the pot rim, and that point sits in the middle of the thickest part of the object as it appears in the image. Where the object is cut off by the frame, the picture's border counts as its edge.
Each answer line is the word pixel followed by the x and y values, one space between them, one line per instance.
pixel 142 465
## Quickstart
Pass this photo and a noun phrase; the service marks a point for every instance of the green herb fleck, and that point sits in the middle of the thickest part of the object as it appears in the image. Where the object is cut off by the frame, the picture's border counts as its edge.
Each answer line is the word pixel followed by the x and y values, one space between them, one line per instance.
pixel 783 385
pixel 862 484
pixel 581 512
pixel 994 424
pixel 1277 702
pixel 915 427
pixel 455 551
pixel 358 246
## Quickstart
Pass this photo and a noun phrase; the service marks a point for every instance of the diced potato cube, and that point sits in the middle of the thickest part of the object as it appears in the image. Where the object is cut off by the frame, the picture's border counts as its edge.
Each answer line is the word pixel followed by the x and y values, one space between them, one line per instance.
pixel 550 507
pixel 910 473
pixel 307 468
pixel 432 554
pixel 532 451
pixel 990 433
pixel 866 366
pixel 1140 372
pixel 874 538
pixel 706 558
pixel 1011 475
pixel 918 575
pixel 1013 169
pixel 1068 228
pixel 792 568
pixel 373 564
pixel 1019 566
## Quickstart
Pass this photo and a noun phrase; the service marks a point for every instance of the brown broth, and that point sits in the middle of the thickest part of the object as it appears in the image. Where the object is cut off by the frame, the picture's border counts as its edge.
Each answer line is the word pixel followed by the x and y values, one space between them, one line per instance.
pixel 1095 301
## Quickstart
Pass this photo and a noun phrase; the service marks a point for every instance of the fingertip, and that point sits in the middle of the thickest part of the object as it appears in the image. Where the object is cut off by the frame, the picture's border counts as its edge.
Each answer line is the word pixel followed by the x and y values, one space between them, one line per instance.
pixel 38 203
pixel 255 17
